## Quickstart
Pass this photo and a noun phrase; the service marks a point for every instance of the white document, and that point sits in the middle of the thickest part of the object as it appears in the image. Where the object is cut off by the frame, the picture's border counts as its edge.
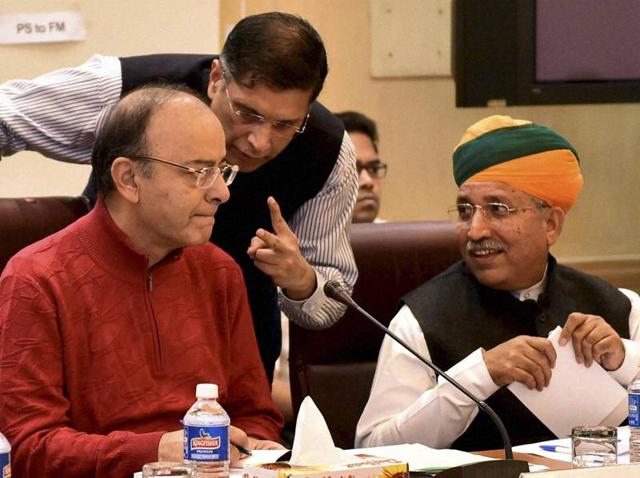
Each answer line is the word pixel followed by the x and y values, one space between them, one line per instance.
pixel 423 458
pixel 576 395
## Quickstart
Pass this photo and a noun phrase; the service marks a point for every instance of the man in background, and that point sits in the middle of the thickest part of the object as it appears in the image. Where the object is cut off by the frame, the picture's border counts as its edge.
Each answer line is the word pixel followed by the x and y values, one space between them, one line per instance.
pixel 107 326
pixel 371 170
pixel 286 222
pixel 486 319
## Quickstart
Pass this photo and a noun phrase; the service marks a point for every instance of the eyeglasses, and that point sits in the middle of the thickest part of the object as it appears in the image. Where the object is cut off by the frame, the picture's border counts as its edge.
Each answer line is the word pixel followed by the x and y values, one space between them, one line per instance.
pixel 375 169
pixel 205 177
pixel 493 211
pixel 280 128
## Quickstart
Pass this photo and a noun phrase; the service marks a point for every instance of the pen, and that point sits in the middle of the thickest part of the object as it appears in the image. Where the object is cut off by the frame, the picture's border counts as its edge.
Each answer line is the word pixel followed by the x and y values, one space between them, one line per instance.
pixel 556 448
pixel 242 449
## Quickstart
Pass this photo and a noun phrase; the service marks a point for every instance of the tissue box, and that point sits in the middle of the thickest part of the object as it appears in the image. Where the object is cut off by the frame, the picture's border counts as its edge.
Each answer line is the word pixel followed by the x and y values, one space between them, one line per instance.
pixel 363 466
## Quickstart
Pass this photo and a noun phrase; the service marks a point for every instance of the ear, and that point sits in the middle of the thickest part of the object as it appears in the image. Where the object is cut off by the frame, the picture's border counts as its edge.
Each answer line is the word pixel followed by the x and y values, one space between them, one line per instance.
pixel 215 75
pixel 125 178
pixel 554 223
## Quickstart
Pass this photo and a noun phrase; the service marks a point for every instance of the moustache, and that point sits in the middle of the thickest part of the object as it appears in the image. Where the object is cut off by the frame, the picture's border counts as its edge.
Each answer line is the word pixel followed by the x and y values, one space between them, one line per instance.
pixel 485 244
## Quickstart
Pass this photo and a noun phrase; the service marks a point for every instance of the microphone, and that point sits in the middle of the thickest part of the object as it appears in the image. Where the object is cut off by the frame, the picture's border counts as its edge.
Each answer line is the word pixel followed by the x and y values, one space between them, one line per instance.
pixel 334 290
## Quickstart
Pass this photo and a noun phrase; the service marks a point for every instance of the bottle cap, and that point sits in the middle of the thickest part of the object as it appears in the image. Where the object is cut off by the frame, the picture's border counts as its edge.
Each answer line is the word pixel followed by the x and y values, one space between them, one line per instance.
pixel 5 446
pixel 206 390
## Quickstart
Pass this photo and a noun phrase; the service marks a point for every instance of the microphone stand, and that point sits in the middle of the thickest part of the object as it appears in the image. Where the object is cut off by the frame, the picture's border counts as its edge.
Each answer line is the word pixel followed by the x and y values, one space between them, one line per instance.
pixel 506 468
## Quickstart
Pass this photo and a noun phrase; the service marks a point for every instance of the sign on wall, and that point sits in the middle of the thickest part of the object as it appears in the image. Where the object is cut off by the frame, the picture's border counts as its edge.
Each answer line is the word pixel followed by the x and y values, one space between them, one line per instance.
pixel 50 27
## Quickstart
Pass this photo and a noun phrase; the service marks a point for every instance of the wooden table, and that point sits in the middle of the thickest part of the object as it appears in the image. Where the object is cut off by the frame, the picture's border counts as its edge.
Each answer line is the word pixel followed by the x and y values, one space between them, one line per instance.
pixel 529 458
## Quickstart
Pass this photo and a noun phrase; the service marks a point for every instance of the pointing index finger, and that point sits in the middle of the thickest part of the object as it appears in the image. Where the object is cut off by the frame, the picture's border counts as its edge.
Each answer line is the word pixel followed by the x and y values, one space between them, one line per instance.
pixel 277 221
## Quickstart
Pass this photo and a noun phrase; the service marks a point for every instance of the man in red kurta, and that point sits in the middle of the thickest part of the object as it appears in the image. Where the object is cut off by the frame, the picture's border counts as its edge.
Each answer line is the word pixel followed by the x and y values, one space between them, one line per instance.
pixel 107 326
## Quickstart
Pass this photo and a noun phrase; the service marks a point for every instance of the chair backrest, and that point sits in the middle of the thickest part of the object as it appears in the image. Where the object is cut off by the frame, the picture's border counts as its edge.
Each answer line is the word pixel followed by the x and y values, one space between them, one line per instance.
pixel 335 366
pixel 24 221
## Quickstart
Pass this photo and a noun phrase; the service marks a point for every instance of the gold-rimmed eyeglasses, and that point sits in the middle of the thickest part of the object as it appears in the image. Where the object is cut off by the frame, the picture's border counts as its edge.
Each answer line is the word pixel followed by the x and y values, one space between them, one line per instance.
pixel 493 211
pixel 280 128
pixel 205 177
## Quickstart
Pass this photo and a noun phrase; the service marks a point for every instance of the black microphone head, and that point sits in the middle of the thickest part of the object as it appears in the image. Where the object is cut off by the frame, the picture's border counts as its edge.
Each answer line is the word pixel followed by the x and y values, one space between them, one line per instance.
pixel 334 290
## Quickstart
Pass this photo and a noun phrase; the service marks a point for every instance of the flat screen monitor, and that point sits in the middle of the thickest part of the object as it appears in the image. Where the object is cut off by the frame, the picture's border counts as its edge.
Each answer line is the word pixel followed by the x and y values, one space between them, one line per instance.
pixel 527 52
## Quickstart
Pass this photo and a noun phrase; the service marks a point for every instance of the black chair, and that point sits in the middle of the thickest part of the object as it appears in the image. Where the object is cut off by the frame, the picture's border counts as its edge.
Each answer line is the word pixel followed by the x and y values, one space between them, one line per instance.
pixel 335 366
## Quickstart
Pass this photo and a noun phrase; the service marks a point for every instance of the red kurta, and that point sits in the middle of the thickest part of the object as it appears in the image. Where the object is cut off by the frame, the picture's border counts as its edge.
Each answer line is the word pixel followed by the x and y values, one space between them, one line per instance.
pixel 100 355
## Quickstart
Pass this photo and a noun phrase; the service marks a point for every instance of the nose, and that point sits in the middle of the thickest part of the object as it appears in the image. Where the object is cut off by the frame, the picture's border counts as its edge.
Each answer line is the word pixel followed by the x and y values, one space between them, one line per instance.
pixel 260 138
pixel 364 179
pixel 478 226
pixel 218 191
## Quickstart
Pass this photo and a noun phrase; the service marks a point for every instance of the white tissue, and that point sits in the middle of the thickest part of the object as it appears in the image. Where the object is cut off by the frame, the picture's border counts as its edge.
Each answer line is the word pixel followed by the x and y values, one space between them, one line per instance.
pixel 312 444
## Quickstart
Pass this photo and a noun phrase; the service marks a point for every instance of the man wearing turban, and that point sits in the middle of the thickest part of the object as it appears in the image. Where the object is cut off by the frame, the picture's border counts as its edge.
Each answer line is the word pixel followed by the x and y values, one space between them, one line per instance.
pixel 487 318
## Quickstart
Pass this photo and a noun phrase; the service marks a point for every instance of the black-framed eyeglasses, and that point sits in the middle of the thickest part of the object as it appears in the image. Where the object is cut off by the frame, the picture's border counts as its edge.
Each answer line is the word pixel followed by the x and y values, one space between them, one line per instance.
pixel 493 211
pixel 280 128
pixel 375 169
pixel 205 177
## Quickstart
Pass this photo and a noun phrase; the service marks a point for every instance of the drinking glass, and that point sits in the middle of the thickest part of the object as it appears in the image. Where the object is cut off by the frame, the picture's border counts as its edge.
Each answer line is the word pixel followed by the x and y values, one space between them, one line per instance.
pixel 166 469
pixel 594 446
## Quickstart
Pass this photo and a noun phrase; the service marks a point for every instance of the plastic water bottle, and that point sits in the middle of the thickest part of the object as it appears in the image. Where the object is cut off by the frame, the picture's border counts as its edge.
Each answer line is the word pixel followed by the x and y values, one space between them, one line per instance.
pixel 634 420
pixel 5 457
pixel 206 434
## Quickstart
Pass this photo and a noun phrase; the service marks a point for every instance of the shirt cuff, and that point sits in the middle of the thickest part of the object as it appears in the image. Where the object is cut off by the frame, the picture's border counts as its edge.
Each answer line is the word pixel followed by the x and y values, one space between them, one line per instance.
pixel 472 372
pixel 312 304
pixel 631 364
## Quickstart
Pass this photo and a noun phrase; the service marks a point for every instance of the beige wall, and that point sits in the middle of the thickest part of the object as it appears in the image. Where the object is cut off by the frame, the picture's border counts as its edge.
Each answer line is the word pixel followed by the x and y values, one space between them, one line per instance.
pixel 114 27
pixel 419 124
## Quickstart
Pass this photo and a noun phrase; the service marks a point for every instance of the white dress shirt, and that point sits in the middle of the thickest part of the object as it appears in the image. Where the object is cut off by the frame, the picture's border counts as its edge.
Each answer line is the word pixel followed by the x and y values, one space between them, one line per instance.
pixel 408 405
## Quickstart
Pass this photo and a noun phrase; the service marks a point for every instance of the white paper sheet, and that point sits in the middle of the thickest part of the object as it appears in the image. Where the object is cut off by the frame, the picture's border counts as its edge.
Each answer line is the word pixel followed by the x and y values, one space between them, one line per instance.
pixel 576 395
pixel 421 457
pixel 258 457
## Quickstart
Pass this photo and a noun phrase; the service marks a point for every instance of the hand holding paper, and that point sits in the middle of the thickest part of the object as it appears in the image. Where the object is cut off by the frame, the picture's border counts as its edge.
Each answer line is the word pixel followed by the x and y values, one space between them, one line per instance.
pixel 593 340
pixel 525 359
pixel 576 395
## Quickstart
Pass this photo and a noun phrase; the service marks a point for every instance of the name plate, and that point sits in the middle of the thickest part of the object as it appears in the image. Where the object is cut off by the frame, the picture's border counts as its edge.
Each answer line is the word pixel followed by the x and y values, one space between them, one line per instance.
pixel 48 27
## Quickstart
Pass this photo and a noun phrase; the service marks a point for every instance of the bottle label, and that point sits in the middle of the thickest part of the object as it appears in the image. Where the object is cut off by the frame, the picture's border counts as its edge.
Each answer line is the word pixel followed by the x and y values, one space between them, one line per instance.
pixel 5 465
pixel 634 410
pixel 206 443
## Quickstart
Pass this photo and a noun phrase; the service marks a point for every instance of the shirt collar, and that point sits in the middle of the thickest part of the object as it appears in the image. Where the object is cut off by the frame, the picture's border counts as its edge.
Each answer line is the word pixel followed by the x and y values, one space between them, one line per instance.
pixel 111 247
pixel 533 292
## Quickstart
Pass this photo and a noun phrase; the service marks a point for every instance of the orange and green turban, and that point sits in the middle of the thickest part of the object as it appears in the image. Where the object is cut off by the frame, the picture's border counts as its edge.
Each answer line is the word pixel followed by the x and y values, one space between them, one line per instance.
pixel 527 156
